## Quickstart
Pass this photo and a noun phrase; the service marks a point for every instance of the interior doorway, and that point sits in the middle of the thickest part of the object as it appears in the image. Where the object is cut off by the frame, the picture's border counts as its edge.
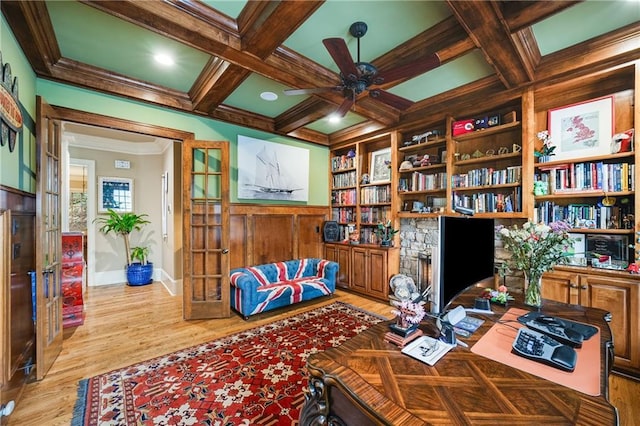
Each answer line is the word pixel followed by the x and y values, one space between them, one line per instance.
pixel 80 202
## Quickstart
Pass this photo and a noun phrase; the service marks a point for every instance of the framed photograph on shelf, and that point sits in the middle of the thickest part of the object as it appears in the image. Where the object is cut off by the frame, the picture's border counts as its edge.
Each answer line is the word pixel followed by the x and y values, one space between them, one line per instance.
pixel 115 193
pixel 380 166
pixel 583 129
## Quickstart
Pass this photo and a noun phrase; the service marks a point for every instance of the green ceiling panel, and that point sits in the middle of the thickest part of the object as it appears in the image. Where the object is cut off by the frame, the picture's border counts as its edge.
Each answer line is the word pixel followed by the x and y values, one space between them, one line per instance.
pixel 584 21
pixel 121 47
pixel 461 71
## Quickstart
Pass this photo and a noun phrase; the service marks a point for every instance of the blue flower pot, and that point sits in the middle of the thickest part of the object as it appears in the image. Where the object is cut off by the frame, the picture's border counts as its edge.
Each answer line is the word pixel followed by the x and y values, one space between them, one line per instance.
pixel 139 274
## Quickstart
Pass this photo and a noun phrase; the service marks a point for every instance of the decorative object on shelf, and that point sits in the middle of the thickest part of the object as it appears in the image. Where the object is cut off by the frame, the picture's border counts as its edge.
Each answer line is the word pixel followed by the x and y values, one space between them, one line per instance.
pixel 379 166
pixel 351 153
pixel 462 126
pixel 406 165
pixel 534 249
pixel 583 129
pixel 540 188
pixel 501 295
pixel 364 180
pixel 622 142
pixel 385 232
pixel 546 151
pixel 633 268
pixel 425 136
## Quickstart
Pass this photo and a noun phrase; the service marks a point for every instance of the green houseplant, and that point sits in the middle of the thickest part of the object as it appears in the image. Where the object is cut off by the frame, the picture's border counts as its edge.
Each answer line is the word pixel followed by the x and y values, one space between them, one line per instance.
pixel 139 270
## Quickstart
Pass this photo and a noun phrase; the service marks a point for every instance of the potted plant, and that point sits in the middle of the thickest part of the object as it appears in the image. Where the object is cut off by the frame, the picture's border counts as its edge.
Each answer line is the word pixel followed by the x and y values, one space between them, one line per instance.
pixel 385 233
pixel 140 272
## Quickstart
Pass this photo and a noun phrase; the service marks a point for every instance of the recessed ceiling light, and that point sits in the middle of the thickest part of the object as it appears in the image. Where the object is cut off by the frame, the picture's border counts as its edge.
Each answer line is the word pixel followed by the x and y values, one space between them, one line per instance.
pixel 164 59
pixel 268 96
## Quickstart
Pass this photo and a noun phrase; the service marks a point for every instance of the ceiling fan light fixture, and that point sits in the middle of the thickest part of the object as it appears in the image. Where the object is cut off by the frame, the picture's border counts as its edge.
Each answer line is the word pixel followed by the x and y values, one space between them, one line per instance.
pixel 164 59
pixel 334 118
pixel 268 96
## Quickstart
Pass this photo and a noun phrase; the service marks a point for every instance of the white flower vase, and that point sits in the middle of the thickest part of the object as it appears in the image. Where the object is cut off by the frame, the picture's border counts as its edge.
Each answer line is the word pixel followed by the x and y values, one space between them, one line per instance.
pixel 533 289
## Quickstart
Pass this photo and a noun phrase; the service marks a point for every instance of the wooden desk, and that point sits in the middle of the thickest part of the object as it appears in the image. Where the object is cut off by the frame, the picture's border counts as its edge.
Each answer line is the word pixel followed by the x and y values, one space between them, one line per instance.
pixel 367 381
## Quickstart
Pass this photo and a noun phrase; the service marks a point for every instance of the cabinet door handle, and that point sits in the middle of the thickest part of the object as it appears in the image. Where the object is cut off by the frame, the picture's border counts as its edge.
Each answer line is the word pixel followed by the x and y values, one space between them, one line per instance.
pixel 584 287
pixel 573 285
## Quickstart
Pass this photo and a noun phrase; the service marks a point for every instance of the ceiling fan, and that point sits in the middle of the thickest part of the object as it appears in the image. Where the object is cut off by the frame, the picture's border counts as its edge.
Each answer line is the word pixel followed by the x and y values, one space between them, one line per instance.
pixel 358 77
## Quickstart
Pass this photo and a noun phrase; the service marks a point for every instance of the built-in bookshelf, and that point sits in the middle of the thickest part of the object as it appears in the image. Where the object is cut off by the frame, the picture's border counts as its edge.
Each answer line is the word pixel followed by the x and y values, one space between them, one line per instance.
pixel 358 202
pixel 487 169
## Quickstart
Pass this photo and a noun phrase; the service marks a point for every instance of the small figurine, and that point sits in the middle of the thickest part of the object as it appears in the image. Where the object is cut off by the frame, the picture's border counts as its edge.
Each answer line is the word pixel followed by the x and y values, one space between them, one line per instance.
pixel 364 180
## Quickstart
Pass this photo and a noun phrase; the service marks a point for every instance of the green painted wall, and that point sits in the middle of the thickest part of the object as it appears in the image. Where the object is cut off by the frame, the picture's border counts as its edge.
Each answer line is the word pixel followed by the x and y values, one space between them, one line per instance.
pixel 17 167
pixel 203 128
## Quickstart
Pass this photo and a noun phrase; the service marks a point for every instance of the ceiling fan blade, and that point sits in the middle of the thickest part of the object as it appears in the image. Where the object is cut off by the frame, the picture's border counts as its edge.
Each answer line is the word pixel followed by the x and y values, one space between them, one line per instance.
pixel 345 106
pixel 410 70
pixel 342 57
pixel 311 90
pixel 390 99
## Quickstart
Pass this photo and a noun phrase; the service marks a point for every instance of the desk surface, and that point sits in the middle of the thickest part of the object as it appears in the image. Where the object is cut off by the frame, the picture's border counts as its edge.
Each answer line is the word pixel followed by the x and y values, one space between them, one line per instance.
pixel 367 381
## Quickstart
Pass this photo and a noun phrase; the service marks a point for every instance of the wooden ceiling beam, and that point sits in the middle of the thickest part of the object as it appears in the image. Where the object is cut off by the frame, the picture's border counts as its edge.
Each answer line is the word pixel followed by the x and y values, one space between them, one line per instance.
pixel 83 75
pixel 494 40
pixel 32 27
pixel 282 18
pixel 302 114
pixel 523 14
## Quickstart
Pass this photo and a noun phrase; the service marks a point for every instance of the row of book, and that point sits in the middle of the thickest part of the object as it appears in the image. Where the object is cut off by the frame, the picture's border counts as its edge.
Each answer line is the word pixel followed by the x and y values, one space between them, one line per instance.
pixel 374 214
pixel 344 197
pixel 343 180
pixel 490 202
pixel 585 216
pixel 423 182
pixel 590 176
pixel 375 194
pixel 344 215
pixel 343 162
pixel 487 176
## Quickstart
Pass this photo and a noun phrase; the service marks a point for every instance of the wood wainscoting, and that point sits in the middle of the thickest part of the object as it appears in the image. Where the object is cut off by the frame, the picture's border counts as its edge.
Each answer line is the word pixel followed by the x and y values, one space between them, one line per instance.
pixel 17 259
pixel 271 233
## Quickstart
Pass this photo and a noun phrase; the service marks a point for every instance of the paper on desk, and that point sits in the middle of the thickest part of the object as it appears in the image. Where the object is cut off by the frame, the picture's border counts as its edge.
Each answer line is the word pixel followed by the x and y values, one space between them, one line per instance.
pixel 427 349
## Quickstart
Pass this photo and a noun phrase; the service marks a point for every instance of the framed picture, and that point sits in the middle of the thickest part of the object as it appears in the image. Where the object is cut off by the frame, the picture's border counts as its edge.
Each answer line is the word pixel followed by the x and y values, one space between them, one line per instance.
pixel 380 166
pixel 583 129
pixel 115 193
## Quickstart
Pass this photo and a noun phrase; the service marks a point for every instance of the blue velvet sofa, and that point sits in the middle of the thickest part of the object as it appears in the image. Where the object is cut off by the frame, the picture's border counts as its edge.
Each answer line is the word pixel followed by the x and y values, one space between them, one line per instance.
pixel 265 287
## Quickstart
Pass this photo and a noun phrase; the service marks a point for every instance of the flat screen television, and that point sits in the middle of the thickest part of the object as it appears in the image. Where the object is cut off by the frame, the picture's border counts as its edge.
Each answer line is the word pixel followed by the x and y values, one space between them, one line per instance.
pixel 464 255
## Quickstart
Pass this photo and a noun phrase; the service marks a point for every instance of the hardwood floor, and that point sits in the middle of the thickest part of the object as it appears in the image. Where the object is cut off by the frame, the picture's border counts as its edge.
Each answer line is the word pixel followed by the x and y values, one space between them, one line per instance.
pixel 125 325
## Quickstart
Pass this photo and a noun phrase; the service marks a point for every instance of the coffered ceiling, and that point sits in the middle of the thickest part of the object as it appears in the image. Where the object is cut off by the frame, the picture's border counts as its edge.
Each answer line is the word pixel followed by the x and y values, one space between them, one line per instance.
pixel 229 52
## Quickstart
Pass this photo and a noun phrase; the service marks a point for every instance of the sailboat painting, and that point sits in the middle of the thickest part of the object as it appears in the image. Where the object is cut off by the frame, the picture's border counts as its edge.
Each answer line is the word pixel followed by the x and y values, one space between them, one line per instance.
pixel 272 171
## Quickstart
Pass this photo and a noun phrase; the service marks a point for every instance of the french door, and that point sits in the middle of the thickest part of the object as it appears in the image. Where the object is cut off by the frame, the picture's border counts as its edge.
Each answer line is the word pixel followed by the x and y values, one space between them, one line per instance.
pixel 49 331
pixel 205 212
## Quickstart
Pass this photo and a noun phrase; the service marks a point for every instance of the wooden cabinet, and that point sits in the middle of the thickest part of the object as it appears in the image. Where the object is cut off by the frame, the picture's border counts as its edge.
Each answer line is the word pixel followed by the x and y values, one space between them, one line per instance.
pixel 616 293
pixel 341 254
pixel 365 268
pixel 371 270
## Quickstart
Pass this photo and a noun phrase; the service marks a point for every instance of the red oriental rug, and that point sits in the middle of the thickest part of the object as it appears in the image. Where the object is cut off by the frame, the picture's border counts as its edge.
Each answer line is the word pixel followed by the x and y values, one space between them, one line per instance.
pixel 255 377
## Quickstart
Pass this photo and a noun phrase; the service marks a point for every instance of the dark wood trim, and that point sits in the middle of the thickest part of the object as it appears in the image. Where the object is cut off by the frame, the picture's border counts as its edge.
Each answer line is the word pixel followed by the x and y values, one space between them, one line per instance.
pixel 83 117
